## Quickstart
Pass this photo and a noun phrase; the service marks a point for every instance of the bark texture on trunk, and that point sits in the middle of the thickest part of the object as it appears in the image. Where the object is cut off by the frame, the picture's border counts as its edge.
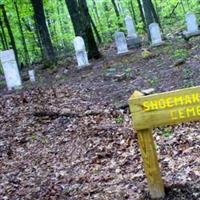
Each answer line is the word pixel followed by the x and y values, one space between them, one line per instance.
pixel 43 31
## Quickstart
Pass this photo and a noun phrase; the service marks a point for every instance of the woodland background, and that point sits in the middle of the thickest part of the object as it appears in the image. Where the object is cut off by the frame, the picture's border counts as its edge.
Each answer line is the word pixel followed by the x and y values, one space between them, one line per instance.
pixel 31 37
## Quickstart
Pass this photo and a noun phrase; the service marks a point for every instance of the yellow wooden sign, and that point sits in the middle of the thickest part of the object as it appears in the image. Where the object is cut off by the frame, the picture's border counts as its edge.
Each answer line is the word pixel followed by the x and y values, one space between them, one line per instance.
pixel 165 108
pixel 157 110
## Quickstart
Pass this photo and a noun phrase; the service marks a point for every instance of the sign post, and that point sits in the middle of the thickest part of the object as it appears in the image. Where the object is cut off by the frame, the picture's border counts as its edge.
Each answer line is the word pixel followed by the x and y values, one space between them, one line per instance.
pixel 148 152
pixel 157 110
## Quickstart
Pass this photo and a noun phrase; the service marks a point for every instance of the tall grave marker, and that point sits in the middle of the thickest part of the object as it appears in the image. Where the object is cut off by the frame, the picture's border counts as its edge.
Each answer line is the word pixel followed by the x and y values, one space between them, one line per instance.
pixel 133 39
pixel 81 54
pixel 10 68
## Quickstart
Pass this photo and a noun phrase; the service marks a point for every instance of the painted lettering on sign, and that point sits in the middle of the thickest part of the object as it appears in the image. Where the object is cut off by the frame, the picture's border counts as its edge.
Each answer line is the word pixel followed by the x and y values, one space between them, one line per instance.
pixel 175 102
pixel 183 113
pixel 171 102
pixel 165 108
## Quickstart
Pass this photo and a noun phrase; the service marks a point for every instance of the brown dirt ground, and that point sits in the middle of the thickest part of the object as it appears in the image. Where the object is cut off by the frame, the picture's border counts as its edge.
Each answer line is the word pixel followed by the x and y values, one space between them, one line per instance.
pixel 95 155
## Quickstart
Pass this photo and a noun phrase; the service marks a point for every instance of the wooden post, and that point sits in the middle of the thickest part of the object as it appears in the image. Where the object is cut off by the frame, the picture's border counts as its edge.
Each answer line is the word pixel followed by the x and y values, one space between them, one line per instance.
pixel 151 166
pixel 148 151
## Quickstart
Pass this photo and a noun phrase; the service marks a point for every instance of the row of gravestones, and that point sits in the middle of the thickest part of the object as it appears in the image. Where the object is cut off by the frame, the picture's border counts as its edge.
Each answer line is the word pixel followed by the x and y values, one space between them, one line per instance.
pixel 12 74
pixel 123 44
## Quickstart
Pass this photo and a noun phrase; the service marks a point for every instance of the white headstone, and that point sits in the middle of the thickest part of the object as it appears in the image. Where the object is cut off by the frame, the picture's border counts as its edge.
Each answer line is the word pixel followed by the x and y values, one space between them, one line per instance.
pixel 31 74
pixel 10 69
pixel 191 21
pixel 155 34
pixel 120 41
pixel 81 54
pixel 130 27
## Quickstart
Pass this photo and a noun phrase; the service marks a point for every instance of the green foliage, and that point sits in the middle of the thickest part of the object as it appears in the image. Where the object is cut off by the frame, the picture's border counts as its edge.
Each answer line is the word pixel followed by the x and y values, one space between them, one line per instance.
pixel 167 132
pixel 34 137
pixel 180 54
pixel 187 73
pixel 171 15
pixel 1 70
pixel 128 71
pixel 119 120
pixel 154 82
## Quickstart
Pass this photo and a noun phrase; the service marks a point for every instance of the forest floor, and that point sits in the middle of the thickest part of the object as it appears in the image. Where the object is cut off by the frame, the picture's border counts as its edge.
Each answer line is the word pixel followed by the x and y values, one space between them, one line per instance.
pixel 70 135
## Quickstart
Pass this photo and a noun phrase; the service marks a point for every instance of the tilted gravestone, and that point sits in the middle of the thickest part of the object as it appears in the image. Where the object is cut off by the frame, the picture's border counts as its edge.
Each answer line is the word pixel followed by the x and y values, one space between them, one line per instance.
pixel 192 25
pixel 133 39
pixel 81 54
pixel 10 68
pixel 155 33
pixel 31 74
pixel 121 44
pixel 157 110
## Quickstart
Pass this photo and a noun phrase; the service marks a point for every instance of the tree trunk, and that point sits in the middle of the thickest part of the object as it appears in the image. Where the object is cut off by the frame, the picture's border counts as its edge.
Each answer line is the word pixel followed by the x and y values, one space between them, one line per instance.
pixel 155 14
pixel 93 51
pixel 133 12
pixel 43 31
pixel 142 15
pixel 3 34
pixel 115 8
pixel 96 12
pixel 36 38
pixel 81 21
pixel 149 14
pixel 3 42
pixel 96 31
pixel 61 26
pixel 74 12
pixel 12 40
pixel 117 13
pixel 27 58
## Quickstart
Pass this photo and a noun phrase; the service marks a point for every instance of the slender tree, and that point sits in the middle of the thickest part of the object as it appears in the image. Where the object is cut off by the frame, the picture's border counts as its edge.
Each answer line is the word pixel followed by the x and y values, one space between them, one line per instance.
pixel 133 11
pixel 117 13
pixel 12 39
pixel 74 12
pixel 81 21
pixel 96 12
pixel 115 8
pixel 92 46
pixel 2 41
pixel 96 31
pixel 62 26
pixel 3 34
pixel 27 58
pixel 43 31
pixel 148 13
pixel 142 15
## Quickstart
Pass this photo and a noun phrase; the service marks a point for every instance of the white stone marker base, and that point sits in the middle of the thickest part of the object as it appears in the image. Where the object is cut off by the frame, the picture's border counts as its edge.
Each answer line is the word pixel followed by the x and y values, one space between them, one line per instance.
pixel 133 42
pixel 188 35
pixel 10 68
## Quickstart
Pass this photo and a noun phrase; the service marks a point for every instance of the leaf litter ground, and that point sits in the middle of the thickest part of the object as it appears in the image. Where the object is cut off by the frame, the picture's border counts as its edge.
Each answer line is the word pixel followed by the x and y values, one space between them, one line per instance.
pixel 70 136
